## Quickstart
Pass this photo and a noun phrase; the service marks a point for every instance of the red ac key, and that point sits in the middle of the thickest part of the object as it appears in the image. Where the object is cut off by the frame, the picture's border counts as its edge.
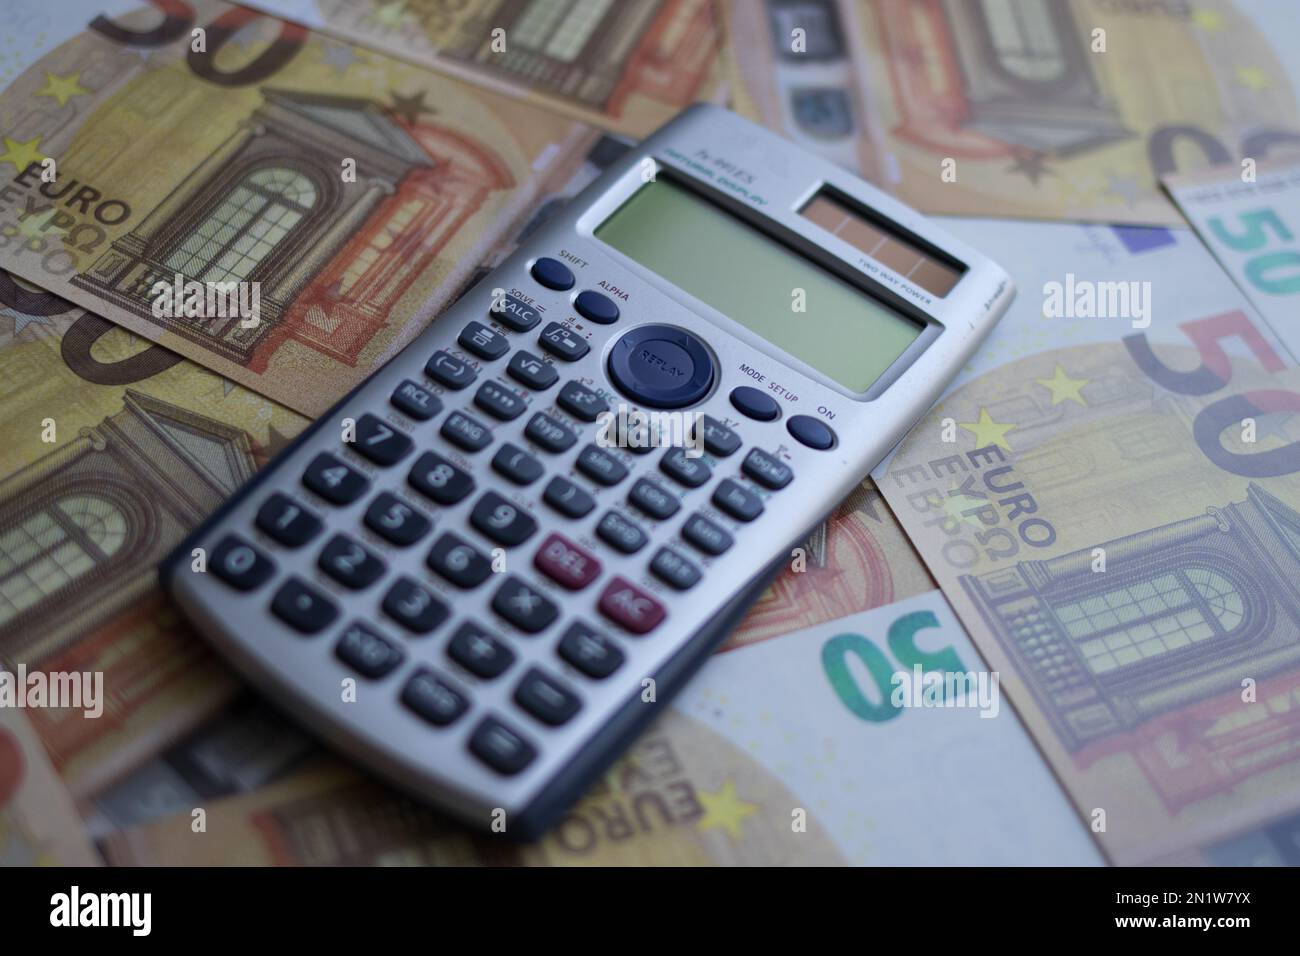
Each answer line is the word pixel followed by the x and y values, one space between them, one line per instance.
pixel 626 604
pixel 565 563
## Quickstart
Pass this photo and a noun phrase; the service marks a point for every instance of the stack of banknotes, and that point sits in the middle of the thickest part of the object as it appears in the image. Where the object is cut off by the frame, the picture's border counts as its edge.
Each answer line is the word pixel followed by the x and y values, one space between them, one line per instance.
pixel 1093 539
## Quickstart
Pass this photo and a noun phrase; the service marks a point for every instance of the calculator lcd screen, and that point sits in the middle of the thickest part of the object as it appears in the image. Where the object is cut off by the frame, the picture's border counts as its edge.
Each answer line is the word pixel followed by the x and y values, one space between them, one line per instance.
pixel 765 286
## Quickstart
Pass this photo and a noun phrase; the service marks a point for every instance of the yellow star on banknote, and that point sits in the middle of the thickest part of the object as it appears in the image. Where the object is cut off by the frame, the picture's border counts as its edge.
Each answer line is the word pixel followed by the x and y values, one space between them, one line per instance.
pixel 1252 77
pixel 63 88
pixel 21 155
pixel 1064 388
pixel 987 431
pixel 724 809
pixel 1211 21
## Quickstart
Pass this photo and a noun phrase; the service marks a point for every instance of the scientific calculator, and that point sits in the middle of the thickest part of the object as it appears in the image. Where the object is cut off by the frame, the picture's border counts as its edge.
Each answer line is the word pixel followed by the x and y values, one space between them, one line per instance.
pixel 486 569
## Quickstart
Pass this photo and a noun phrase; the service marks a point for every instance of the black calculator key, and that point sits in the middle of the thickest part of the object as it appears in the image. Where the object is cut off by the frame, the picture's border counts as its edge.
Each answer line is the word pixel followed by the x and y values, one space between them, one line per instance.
pixel 524 606
pixel 287 521
pixel 811 432
pixel 653 500
pixel 621 534
pixel 240 564
pixel 465 432
pixel 553 274
pixel 590 304
pixel 367 651
pixel 527 369
pixel 550 434
pixel 414 606
pixel 737 500
pixel 718 438
pixel 514 312
pixel 691 472
pixel 671 568
pixel 501 747
pixel 302 607
pixel 766 469
pixel 514 463
pixel 437 478
pixel 752 403
pixel 348 563
pixel 705 535
pixel 502 521
pixel 567 498
pixel 392 518
pixel 499 401
pixel 479 652
pixel 412 398
pixel 562 342
pixel 334 481
pixel 546 698
pixel 379 441
pixel 581 402
pixel 459 562
pixel 445 369
pixel 590 651
pixel 483 342
pixel 433 698
pixel 600 466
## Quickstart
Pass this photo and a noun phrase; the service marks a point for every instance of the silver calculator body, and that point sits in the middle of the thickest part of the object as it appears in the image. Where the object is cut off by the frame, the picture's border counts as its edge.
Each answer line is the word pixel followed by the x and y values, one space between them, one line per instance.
pixel 809 321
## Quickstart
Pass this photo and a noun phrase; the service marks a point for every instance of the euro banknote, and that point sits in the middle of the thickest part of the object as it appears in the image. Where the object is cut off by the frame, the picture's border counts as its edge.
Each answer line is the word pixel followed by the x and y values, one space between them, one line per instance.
pixel 1054 110
pixel 817 747
pixel 282 208
pixel 1109 495
pixel 111 449
pixel 627 67
pixel 1249 217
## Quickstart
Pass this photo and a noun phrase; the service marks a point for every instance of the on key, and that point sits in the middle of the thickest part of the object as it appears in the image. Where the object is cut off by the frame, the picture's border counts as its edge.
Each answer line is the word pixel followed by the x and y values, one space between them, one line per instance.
pixel 380 442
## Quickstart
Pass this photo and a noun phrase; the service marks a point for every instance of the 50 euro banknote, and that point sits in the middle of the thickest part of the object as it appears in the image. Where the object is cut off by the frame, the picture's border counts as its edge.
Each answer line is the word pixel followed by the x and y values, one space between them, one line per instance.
pixel 1110 498
pixel 282 208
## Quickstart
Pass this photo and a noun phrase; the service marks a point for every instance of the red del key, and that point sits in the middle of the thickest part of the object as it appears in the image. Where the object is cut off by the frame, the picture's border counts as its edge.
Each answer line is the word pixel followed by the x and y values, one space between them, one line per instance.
pixel 626 604
pixel 565 563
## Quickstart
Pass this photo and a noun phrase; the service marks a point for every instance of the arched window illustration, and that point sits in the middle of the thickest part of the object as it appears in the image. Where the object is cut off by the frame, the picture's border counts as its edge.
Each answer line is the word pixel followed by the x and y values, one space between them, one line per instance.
pixel 1167 612
pixel 63 541
pixel 234 237
pixel 1024 38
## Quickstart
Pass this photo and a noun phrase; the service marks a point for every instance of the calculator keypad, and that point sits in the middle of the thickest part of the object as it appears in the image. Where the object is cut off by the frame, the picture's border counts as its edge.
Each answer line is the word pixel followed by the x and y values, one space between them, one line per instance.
pixel 498 660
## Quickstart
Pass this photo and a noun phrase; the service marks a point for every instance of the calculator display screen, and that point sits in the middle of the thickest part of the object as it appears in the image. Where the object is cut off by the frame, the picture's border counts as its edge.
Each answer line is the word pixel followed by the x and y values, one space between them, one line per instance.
pixel 762 284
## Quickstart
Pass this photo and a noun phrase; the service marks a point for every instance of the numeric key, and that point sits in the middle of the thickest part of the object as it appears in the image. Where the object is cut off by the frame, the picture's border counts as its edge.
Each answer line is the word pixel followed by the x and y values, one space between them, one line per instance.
pixel 414 606
pixel 287 521
pixel 459 562
pixel 379 441
pixel 392 518
pixel 503 522
pixel 336 482
pixel 348 563
pixel 435 477
pixel 240 564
